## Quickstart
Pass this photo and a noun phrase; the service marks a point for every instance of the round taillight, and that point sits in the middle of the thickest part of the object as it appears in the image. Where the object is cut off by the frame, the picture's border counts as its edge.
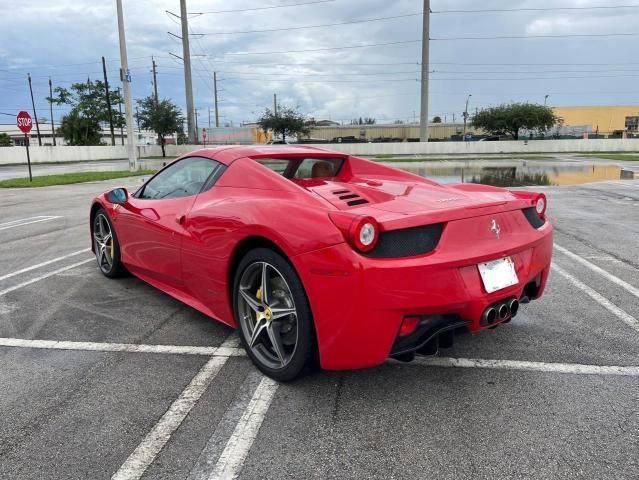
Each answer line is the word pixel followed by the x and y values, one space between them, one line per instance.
pixel 364 234
pixel 367 234
pixel 540 204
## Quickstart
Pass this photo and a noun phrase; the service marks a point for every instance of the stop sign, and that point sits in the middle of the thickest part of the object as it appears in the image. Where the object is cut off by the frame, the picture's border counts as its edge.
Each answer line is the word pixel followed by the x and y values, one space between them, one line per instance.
pixel 24 122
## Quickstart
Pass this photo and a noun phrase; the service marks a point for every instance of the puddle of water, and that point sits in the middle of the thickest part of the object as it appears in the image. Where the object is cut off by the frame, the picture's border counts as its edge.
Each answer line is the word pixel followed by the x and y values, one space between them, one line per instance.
pixel 522 174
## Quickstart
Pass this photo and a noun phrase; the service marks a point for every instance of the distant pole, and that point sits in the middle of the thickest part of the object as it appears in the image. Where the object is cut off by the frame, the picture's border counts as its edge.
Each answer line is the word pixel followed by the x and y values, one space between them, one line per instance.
pixel 26 144
pixel 423 118
pixel 275 104
pixel 197 132
pixel 188 82
pixel 125 77
pixel 546 100
pixel 35 115
pixel 137 118
pixel 217 118
pixel 51 110
pixel 466 115
pixel 209 117
pixel 155 81
pixel 108 101
pixel 120 108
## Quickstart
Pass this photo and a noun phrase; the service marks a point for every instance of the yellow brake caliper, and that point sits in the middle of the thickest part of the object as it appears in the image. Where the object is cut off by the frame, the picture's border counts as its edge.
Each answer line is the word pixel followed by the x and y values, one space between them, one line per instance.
pixel 258 295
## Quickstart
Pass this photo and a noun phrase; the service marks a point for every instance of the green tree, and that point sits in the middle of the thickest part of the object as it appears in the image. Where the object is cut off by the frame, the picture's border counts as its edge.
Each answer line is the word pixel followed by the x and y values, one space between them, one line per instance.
pixel 286 122
pixel 5 140
pixel 437 119
pixel 163 117
pixel 182 139
pixel 89 112
pixel 510 119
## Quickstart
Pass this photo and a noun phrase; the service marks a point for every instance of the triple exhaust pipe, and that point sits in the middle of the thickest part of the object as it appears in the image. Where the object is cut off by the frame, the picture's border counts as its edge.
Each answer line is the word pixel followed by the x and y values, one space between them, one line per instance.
pixel 500 311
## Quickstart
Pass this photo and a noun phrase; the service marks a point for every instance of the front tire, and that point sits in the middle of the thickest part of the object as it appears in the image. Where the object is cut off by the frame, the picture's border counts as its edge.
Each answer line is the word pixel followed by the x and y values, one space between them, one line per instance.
pixel 273 316
pixel 106 245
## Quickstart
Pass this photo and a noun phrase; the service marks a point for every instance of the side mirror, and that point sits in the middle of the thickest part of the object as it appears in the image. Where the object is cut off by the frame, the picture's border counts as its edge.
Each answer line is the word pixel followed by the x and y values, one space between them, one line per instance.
pixel 118 196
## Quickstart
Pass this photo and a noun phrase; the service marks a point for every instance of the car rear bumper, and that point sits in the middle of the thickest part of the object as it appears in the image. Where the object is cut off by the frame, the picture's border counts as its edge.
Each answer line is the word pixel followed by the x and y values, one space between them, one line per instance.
pixel 359 303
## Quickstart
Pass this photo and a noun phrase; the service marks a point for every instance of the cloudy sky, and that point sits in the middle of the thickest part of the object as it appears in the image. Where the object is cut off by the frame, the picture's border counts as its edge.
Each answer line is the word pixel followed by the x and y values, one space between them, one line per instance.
pixel 330 71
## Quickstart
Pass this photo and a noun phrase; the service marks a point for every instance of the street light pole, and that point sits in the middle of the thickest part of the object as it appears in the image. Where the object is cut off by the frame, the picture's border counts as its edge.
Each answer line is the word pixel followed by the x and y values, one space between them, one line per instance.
pixel 125 77
pixel 546 100
pixel 423 117
pixel 466 115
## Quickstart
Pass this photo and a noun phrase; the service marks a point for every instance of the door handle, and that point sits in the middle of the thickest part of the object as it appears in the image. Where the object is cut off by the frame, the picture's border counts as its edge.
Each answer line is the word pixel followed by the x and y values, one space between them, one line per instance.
pixel 180 219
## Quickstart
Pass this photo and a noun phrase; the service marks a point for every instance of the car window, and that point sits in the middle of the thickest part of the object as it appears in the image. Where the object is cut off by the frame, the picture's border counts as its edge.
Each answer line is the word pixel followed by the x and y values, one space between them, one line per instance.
pixel 278 165
pixel 303 168
pixel 182 179
pixel 318 167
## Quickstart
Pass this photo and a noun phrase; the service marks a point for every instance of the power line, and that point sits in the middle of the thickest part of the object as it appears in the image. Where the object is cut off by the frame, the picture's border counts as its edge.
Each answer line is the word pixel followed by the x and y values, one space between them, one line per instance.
pixel 269 7
pixel 548 9
pixel 514 37
pixel 316 74
pixel 323 81
pixel 327 48
pixel 303 27
pixel 533 64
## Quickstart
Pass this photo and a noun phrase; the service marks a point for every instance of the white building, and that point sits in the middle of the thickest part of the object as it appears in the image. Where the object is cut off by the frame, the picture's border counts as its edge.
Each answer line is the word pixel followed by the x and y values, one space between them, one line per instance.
pixel 143 137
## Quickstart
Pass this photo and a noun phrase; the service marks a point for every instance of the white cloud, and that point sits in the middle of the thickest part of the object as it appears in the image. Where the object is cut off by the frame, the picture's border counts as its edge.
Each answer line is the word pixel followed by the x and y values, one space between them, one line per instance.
pixel 52 38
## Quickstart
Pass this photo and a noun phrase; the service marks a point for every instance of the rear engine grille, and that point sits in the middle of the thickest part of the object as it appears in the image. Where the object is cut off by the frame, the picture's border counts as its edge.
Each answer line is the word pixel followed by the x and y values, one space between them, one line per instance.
pixel 533 217
pixel 351 199
pixel 407 242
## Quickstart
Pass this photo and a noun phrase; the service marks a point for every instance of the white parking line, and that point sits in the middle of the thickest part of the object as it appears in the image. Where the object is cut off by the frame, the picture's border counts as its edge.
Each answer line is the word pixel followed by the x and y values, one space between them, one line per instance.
pixel 226 350
pixel 47 275
pixel 43 264
pixel 232 458
pixel 28 221
pixel 609 276
pixel 624 316
pixel 572 368
pixel 137 463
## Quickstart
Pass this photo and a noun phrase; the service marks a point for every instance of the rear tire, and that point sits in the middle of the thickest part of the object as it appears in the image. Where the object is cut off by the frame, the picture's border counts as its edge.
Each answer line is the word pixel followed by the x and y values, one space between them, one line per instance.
pixel 274 319
pixel 106 245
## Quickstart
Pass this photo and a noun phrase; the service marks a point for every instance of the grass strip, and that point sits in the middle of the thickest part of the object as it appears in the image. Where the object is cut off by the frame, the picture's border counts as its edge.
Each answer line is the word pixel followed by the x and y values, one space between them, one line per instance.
pixel 69 178
pixel 626 157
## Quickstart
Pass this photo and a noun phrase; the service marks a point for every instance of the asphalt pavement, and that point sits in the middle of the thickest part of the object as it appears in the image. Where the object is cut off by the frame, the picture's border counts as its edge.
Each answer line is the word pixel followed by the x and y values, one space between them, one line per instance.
pixel 103 378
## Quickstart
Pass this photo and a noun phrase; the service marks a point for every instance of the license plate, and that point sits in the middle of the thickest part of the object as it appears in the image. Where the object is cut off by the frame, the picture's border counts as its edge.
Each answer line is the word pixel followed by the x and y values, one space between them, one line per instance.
pixel 498 274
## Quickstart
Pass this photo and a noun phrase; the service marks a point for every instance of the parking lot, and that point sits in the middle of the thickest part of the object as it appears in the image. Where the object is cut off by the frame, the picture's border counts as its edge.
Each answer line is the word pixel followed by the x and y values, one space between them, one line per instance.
pixel 102 378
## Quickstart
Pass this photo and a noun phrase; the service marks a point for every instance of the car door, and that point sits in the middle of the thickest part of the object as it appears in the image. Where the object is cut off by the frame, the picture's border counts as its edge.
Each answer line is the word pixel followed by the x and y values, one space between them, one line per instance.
pixel 152 221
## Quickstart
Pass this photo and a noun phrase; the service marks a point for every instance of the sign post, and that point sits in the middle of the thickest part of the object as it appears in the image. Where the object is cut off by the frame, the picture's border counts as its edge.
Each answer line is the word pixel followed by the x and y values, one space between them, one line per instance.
pixel 25 124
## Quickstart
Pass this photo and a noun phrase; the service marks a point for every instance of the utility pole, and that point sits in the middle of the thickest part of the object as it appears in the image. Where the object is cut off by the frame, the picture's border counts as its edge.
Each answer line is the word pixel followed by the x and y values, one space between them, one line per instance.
pixel 217 118
pixel 209 118
pixel 466 115
pixel 423 118
pixel 188 82
pixel 35 115
pixel 51 110
pixel 155 81
pixel 197 132
pixel 125 77
pixel 120 108
pixel 275 104
pixel 108 101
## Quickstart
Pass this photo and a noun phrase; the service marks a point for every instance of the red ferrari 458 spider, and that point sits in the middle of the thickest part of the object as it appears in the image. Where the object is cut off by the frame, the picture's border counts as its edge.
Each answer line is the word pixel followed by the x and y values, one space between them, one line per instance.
pixel 317 256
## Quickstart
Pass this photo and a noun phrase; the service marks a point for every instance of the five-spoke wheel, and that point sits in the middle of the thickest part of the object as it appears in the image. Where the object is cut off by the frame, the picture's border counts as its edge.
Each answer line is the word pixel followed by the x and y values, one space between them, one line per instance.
pixel 105 244
pixel 273 316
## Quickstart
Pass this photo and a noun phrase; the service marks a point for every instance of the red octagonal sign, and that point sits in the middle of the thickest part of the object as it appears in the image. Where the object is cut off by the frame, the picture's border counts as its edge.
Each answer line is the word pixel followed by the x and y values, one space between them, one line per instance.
pixel 24 122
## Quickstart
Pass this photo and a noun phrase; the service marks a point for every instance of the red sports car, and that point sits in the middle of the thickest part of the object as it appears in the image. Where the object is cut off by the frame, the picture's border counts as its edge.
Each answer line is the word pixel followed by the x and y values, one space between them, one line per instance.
pixel 316 255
